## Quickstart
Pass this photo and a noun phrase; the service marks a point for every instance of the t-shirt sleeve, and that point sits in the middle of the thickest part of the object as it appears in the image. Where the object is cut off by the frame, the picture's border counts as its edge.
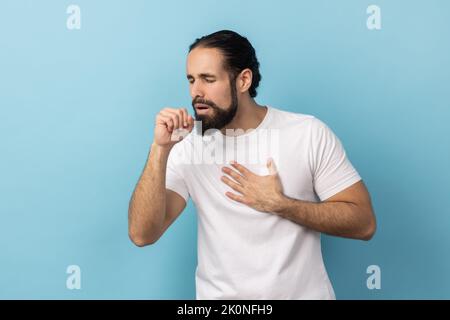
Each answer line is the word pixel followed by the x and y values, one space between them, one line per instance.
pixel 174 174
pixel 332 171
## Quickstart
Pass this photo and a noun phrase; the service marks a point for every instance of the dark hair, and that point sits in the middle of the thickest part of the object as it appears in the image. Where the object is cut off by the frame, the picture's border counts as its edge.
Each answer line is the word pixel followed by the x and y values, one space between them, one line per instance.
pixel 238 54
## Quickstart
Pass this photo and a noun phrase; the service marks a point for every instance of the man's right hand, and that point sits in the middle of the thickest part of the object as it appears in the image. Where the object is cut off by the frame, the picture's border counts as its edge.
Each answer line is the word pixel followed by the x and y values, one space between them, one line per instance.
pixel 168 120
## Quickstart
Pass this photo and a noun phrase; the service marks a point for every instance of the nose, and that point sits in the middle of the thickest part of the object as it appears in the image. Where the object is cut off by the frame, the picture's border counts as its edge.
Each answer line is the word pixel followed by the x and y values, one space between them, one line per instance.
pixel 197 90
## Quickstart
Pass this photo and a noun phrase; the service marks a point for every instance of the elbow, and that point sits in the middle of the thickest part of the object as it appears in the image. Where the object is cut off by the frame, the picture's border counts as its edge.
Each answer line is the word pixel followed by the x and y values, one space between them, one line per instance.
pixel 141 236
pixel 140 241
pixel 369 230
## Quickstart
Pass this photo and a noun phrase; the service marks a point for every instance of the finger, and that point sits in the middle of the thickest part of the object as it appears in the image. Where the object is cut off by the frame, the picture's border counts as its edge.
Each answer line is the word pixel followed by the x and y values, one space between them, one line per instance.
pixel 179 134
pixel 235 197
pixel 180 114
pixel 175 117
pixel 243 170
pixel 160 119
pixel 236 176
pixel 190 121
pixel 176 120
pixel 235 186
pixel 167 121
pixel 185 117
pixel 271 166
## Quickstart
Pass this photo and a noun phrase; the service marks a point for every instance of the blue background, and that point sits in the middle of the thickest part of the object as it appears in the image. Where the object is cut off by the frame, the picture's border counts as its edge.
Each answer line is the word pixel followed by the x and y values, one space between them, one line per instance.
pixel 77 109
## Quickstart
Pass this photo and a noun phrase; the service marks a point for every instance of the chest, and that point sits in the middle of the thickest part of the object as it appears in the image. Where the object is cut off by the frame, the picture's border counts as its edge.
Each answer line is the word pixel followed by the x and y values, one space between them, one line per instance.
pixel 290 154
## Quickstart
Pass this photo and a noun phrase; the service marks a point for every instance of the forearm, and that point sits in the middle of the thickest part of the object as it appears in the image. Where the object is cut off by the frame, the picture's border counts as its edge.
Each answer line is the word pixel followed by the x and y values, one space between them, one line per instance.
pixel 148 204
pixel 342 219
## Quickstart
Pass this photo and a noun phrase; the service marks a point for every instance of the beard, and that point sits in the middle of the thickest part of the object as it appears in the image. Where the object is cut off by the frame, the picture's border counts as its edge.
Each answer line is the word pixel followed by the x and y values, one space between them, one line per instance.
pixel 219 117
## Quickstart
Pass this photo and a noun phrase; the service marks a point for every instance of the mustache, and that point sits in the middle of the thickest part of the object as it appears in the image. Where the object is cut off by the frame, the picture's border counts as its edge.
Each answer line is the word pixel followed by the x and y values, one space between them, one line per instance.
pixel 203 101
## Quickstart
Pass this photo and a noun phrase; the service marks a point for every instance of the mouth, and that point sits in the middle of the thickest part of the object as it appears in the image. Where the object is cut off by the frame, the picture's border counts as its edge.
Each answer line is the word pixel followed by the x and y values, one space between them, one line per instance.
pixel 201 108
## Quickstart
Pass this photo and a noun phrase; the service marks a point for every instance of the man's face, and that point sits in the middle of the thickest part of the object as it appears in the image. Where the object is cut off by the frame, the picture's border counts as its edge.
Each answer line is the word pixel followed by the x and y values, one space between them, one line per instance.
pixel 213 93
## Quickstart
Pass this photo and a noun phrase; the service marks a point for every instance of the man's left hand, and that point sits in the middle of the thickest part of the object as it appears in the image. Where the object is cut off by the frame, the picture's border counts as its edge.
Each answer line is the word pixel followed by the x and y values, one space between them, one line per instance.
pixel 262 193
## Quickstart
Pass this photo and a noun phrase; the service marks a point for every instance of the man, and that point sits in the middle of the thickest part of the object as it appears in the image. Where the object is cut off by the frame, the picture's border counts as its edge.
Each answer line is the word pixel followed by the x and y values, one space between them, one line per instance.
pixel 259 223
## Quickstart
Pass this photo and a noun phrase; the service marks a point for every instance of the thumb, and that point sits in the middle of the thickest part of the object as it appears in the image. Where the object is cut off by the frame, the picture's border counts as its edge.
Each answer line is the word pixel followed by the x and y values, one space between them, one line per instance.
pixel 181 133
pixel 271 166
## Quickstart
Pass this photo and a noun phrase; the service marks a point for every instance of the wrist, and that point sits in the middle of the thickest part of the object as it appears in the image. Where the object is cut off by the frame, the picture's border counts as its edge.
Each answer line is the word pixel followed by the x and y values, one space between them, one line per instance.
pixel 281 204
pixel 161 148
pixel 160 152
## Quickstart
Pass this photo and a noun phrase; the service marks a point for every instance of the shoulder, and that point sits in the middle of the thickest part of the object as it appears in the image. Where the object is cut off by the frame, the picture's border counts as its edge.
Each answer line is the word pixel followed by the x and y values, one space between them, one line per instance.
pixel 286 119
pixel 182 150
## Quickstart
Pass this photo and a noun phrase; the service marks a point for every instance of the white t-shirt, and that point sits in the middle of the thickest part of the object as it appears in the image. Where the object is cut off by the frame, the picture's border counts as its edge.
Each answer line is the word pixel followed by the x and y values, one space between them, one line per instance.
pixel 244 253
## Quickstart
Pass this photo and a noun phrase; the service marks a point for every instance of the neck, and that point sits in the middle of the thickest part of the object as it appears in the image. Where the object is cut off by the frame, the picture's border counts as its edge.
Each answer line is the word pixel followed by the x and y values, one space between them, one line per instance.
pixel 248 116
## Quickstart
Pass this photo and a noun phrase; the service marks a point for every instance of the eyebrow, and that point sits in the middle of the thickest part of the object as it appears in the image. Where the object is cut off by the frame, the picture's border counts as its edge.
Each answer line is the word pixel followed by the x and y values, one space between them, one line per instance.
pixel 201 75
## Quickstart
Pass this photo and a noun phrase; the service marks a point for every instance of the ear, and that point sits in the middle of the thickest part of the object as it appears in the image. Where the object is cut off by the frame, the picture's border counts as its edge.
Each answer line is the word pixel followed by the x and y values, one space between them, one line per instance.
pixel 244 80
